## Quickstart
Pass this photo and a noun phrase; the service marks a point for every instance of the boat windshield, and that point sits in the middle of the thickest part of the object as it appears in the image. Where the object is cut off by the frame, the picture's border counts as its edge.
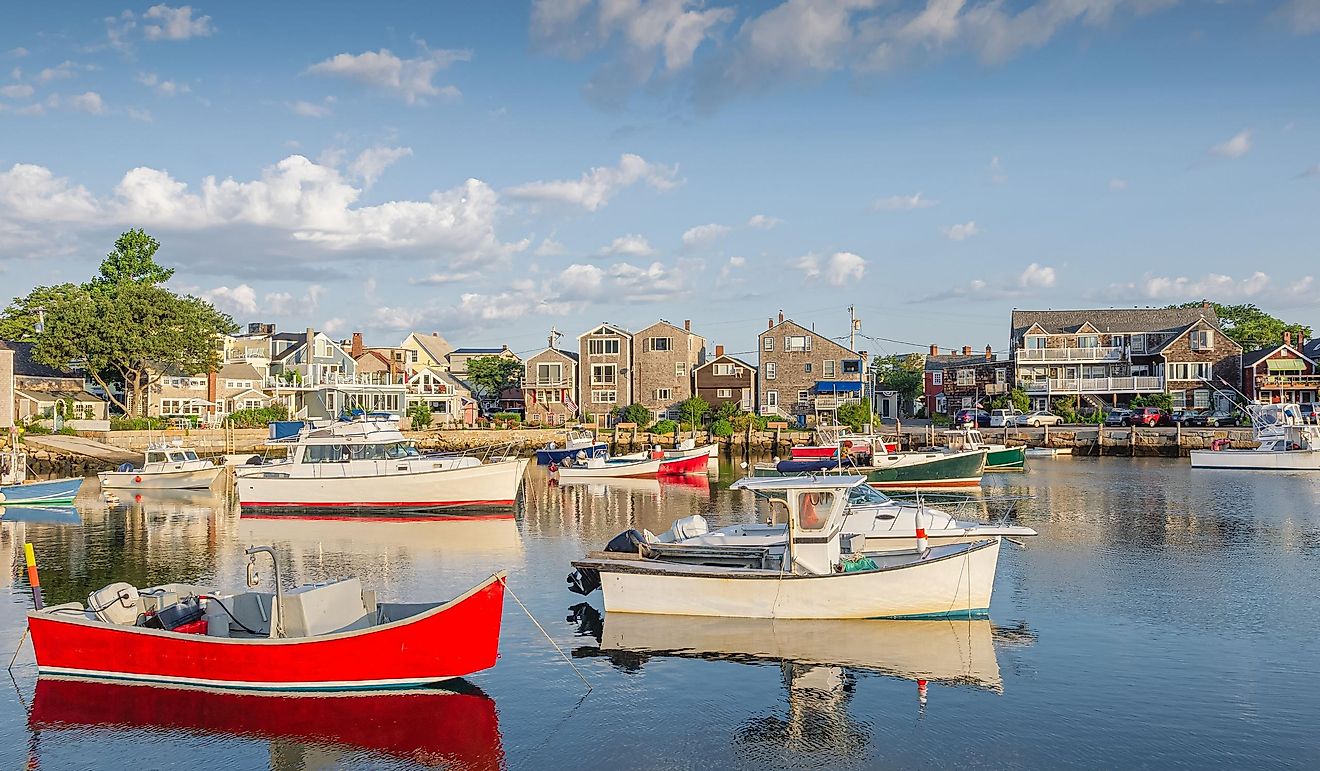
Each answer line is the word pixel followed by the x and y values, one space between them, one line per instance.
pixel 343 453
pixel 814 510
pixel 865 495
pixel 155 457
pixel 190 455
pixel 176 456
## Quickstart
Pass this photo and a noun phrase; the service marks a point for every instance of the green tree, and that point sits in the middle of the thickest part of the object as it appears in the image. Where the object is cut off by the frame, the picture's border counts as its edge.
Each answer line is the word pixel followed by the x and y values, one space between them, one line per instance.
pixel 635 413
pixel 854 415
pixel 19 320
pixel 1252 327
pixel 489 375
pixel 133 259
pixel 727 410
pixel 693 410
pixel 904 374
pixel 420 414
pixel 1020 399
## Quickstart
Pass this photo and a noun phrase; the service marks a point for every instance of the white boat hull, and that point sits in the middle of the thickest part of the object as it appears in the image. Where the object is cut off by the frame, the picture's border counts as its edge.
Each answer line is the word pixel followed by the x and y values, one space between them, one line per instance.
pixel 614 470
pixel 1263 460
pixel 183 479
pixel 488 484
pixel 956 585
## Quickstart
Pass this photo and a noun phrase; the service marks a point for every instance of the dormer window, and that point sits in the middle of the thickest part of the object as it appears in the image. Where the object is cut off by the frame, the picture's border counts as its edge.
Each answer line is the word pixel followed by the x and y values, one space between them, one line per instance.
pixel 1035 341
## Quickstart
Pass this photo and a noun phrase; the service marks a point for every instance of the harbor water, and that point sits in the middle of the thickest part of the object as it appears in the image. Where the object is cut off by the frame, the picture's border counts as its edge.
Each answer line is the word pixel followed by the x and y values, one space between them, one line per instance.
pixel 1165 617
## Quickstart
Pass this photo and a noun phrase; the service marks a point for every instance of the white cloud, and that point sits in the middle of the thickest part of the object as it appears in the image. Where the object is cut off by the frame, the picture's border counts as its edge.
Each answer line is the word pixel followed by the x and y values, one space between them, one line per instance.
pixel 550 248
pixel 445 278
pixel 703 234
pixel 139 114
pixel 1235 147
pixel 240 300
pixel 277 303
pixel 34 194
pixel 62 71
pixel 903 203
pixel 631 245
pixel 961 232
pixel 162 87
pixel 1215 286
pixel 1028 283
pixel 734 265
pixel 837 270
pixel 1036 277
pixel 334 327
pixel 16 92
pixel 412 79
pixel 373 161
pixel 166 23
pixel 1301 16
pixel 89 102
pixel 18 53
pixel 1118 185
pixel 312 109
pixel 763 222
pixel 997 175
pixel 597 186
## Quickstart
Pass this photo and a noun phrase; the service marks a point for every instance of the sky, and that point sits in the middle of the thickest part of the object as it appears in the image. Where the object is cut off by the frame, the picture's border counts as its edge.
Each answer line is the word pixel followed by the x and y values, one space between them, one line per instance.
pixel 490 170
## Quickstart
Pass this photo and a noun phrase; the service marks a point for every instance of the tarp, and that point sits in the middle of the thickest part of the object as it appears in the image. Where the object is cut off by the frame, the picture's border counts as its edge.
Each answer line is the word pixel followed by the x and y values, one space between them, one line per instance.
pixel 1285 365
pixel 829 386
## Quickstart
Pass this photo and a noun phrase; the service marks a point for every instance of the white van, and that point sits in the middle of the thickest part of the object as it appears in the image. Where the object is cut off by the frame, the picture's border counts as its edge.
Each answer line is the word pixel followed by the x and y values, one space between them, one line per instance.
pixel 1001 418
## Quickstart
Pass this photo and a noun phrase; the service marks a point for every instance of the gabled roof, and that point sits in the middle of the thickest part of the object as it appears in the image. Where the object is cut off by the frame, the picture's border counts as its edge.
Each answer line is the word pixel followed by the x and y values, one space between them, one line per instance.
pixel 374 354
pixel 1117 320
pixel 238 371
pixel 613 329
pixel 572 355
pixel 671 325
pixel 727 358
pixel 25 366
pixel 480 350
pixel 435 345
pixel 946 360
pixel 811 332
pixel 1168 341
pixel 1252 358
pixel 1311 349
pixel 43 395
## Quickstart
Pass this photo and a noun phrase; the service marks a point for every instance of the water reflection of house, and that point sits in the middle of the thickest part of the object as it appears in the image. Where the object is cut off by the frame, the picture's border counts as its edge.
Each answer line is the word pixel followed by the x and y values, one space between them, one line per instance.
pixel 1281 373
pixel 37 391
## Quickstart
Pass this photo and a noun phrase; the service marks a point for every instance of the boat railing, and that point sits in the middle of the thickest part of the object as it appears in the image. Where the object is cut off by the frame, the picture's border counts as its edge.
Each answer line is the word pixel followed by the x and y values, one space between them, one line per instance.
pixel 486 453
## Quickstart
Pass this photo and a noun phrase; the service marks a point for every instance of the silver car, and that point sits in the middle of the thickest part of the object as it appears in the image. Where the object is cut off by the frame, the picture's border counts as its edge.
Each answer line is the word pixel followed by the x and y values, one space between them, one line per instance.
pixel 1039 418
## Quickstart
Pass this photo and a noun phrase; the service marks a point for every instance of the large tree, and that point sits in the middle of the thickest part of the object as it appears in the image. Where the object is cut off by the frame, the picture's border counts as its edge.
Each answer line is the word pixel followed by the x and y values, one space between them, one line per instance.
pixel 904 374
pixel 1252 327
pixel 489 375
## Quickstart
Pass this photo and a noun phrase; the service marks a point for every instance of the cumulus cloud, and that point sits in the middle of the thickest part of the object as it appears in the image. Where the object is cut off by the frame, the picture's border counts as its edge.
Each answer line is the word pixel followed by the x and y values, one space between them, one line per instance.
pixel 161 22
pixel 1301 16
pixel 763 222
pixel 1219 286
pixel 961 232
pixel 411 79
pixel 445 278
pixel 703 234
pixel 17 53
pixel 1235 147
pixel 89 102
pixel 240 300
pixel 903 203
pixel 163 87
pixel 730 270
pixel 373 161
pixel 1028 283
pixel 22 91
pixel 62 71
pixel 838 269
pixel 631 245
pixel 549 247
pixel 598 185
pixel 1036 277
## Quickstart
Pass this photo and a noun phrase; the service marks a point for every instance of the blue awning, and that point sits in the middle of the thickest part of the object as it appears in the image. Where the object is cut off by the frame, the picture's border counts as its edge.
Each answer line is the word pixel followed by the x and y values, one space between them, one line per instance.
pixel 831 386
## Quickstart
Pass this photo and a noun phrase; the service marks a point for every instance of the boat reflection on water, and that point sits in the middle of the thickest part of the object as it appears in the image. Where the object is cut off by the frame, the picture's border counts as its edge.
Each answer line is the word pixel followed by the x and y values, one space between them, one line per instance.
pixel 41 515
pixel 452 728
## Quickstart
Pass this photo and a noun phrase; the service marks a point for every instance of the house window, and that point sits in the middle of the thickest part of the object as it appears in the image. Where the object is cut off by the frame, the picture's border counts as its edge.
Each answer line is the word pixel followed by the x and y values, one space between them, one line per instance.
pixel 724 393
pixel 604 397
pixel 802 397
pixel 772 398
pixel 661 343
pixel 552 396
pixel 768 344
pixel 852 366
pixel 82 412
pixel 797 343
pixel 412 356
pixel 1201 399
pixel 1203 340
pixel 966 377
pixel 1001 376
pixel 723 370
pixel 937 378
pixel 967 402
pixel 663 394
pixel 828 367
pixel 549 374
pixel 770 370
pixel 603 374
pixel 1178 400
pixel 680 369
pixel 1088 341
pixel 1196 370
pixel 807 368
pixel 603 346
pixel 1138 343
pixel 1035 342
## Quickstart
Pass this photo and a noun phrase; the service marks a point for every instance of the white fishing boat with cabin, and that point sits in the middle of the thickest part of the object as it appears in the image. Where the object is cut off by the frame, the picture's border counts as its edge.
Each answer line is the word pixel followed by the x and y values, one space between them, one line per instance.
pixel 811 573
pixel 171 466
pixel 1286 443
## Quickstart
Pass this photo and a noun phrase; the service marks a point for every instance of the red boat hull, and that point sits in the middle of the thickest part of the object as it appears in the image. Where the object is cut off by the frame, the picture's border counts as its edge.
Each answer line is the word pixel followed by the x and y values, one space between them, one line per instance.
pixel 434 728
pixel 696 464
pixel 451 640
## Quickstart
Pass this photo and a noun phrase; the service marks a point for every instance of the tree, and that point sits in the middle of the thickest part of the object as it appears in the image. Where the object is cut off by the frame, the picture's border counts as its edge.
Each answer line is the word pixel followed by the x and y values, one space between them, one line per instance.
pixel 1252 327
pixel 1020 399
pixel 854 415
pixel 489 375
pixel 903 374
pixel 420 413
pixel 635 413
pixel 133 259
pixel 693 410
pixel 19 321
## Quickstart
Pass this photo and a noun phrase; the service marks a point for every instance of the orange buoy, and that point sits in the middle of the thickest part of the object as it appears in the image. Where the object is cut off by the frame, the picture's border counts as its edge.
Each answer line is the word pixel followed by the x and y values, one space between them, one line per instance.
pixel 137 479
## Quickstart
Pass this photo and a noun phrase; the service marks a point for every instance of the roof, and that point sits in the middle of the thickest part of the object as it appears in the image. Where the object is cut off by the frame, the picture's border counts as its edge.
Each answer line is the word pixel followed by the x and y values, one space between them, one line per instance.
pixel 239 371
pixel 1312 349
pixel 727 357
pixel 945 360
pixel 291 350
pixel 614 329
pixel 572 355
pixel 1112 319
pixel 434 344
pixel 43 395
pixel 26 366
pixel 811 332
pixel 371 353
pixel 296 337
pixel 479 350
pixel 1252 358
pixel 1178 333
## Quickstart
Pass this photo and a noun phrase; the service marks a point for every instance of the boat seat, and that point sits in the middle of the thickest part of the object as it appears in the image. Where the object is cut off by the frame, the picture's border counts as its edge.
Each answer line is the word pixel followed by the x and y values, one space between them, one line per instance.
pixel 325 608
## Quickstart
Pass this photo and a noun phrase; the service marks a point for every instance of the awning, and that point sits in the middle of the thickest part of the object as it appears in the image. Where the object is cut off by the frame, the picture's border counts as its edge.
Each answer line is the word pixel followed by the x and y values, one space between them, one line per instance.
pixel 832 386
pixel 1285 365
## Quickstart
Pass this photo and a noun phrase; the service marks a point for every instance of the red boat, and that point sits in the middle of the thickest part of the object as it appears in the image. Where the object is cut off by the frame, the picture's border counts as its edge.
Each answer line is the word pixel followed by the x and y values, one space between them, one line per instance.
pixel 693 464
pixel 452 729
pixel 323 637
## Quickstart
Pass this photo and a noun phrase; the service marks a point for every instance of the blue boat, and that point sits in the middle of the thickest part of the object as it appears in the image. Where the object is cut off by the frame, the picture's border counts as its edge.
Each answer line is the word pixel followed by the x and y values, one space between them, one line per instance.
pixel 577 442
pixel 41 493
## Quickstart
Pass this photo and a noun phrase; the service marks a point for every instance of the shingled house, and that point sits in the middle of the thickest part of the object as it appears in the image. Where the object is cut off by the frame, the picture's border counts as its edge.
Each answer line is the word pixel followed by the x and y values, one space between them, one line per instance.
pixel 1107 357
pixel 550 387
pixel 726 379
pixel 964 379
pixel 605 370
pixel 806 375
pixel 664 358
pixel 1281 373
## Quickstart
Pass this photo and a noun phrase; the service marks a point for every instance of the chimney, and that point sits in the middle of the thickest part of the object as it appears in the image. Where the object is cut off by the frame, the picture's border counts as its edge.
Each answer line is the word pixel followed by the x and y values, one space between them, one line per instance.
pixel 989 354
pixel 211 391
pixel 934 350
pixel 355 350
pixel 770 323
pixel 1287 337
pixel 687 325
pixel 967 350
pixel 719 351
pixel 1205 305
pixel 781 317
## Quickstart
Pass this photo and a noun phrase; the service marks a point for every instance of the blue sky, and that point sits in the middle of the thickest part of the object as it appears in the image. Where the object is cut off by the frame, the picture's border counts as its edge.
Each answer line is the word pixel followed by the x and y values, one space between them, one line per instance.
pixel 490 169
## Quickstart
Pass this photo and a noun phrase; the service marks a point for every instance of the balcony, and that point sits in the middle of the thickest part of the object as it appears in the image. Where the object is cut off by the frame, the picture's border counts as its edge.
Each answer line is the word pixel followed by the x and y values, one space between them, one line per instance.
pixel 1095 385
pixel 1070 354
pixel 246 354
pixel 560 383
pixel 1288 381
pixel 376 380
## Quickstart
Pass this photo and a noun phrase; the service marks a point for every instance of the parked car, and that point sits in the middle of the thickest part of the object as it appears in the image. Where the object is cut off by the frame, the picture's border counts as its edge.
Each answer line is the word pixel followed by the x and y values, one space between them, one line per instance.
pixel 1310 413
pixel 1039 418
pixel 1118 417
pixel 971 417
pixel 1150 417
pixel 1213 418
pixel 1001 418
pixel 1184 416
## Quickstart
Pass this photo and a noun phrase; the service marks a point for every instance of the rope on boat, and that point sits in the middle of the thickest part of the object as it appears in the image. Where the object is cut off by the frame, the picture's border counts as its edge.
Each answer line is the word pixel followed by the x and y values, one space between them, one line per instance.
pixel 567 660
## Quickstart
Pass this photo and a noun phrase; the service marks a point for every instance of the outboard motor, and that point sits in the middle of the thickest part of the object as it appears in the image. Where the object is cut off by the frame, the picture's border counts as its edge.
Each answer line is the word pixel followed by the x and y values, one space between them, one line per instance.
pixel 687 527
pixel 584 581
pixel 255 460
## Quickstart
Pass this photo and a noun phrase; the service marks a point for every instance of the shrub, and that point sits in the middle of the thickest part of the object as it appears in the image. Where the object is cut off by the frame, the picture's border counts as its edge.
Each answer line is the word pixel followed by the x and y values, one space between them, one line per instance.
pixel 258 417
pixel 721 427
pixel 664 427
pixel 940 419
pixel 854 415
pixel 1163 401
pixel 67 431
pixel 420 415
pixel 745 419
pixel 634 413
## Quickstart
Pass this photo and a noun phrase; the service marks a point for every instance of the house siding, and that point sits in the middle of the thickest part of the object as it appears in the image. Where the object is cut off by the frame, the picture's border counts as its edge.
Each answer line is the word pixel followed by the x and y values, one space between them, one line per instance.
pixel 741 385
pixel 6 388
pixel 792 384
pixel 1225 360
pixel 656 371
pixel 1301 386
pixel 622 363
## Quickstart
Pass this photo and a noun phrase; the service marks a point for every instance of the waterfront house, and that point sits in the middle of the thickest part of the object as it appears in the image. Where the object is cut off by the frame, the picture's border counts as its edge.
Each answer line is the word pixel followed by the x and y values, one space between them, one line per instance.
pixel 382 365
pixel 726 379
pixel 459 357
pixel 36 391
pixel 1107 357
pixel 314 377
pixel 604 370
pixel 450 400
pixel 427 350
pixel 964 379
pixel 664 357
pixel 1281 373
pixel 804 375
pixel 550 387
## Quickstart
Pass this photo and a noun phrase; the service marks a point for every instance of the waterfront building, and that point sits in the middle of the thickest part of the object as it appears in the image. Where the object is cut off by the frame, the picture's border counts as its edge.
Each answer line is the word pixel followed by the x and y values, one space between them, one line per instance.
pixel 664 357
pixel 1281 373
pixel 550 386
pixel 35 391
pixel 458 358
pixel 725 379
pixel 605 370
pixel 427 350
pixel 450 400
pixel 804 375
pixel 315 377
pixel 964 379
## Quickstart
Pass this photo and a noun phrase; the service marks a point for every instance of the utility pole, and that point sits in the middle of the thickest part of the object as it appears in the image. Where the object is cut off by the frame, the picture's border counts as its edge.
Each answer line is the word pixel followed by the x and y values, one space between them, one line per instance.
pixel 853 324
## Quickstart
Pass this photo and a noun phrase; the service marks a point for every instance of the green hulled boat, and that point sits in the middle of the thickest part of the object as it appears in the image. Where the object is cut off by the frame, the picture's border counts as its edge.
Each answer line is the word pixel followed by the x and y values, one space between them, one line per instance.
pixel 998 457
pixel 900 470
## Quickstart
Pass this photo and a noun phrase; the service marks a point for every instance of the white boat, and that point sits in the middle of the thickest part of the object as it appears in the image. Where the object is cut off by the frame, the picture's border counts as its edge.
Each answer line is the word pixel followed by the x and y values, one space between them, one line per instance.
pixel 808 574
pixel 1047 452
pixel 367 464
pixel 167 467
pixel 686 449
pixel 1286 443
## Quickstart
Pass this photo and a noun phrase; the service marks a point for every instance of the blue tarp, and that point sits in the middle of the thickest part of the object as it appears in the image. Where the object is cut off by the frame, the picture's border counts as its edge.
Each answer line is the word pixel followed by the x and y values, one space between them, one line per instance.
pixel 829 386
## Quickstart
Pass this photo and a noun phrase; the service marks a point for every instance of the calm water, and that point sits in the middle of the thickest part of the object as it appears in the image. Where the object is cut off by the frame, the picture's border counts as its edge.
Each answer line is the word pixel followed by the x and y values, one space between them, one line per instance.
pixel 1165 617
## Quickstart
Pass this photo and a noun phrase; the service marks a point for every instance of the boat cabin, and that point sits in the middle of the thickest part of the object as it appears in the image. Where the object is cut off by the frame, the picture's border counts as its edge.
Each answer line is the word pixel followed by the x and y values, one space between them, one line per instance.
pixel 164 456
pixel 814 510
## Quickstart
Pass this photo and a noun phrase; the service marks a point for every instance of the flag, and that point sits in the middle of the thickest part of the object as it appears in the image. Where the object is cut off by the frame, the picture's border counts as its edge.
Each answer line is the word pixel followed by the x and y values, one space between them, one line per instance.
pixel 568 401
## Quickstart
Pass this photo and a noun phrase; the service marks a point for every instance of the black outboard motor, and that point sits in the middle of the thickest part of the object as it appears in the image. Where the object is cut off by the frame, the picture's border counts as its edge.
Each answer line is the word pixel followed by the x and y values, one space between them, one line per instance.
pixel 584 581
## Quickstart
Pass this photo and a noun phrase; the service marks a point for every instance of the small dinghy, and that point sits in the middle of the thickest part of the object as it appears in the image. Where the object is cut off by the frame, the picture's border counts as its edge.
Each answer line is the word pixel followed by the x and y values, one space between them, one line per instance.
pixel 331 636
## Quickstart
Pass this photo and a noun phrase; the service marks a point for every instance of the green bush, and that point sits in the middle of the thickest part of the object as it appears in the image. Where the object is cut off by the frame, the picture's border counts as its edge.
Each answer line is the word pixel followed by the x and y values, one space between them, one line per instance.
pixel 634 413
pixel 132 423
pixel 258 417
pixel 854 415
pixel 940 419
pixel 742 420
pixel 419 413
pixel 664 427
pixel 721 427
pixel 507 417
pixel 1163 401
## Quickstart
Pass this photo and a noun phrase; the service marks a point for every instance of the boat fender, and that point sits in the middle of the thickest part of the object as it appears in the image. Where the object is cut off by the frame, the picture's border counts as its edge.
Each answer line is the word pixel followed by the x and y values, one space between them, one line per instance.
pixel 138 479
pixel 554 467
pixel 255 460
pixel 125 468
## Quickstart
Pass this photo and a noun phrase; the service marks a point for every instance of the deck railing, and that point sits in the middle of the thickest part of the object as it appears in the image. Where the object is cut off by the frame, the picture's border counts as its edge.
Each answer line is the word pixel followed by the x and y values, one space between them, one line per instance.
pixel 1288 381
pixel 1095 385
pixel 1097 353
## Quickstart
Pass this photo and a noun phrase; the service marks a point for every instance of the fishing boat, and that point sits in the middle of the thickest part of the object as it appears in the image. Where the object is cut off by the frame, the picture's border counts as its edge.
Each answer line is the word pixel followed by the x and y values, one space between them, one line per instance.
pixel 998 457
pixel 656 465
pixel 1285 443
pixel 838 441
pixel 808 574
pixel 577 444
pixel 330 636
pixel 366 464
pixel 16 489
pixel 899 470
pixel 454 727
pixel 166 467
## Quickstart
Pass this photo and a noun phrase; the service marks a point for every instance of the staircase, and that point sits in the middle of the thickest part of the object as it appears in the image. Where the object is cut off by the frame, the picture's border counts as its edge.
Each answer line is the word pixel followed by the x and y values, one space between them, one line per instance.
pixel 1097 402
